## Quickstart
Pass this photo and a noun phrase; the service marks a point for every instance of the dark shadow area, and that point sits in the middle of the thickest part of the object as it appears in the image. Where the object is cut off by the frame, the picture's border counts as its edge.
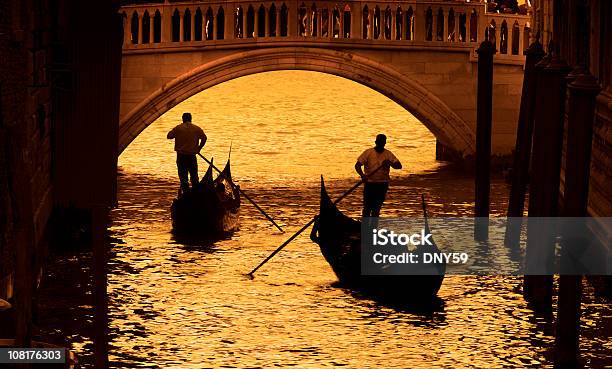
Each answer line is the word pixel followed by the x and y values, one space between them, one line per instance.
pixel 423 308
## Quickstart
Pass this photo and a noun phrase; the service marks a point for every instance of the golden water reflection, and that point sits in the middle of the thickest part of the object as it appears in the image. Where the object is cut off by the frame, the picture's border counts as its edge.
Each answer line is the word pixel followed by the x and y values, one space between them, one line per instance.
pixel 188 304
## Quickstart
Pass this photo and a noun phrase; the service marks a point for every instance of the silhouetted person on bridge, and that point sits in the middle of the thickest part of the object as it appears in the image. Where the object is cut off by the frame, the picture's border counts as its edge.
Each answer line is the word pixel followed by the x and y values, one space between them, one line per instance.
pixel 376 180
pixel 188 141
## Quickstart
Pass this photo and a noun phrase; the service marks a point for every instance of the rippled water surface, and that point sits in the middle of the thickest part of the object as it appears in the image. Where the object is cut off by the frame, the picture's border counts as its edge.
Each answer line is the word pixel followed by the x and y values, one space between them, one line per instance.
pixel 187 304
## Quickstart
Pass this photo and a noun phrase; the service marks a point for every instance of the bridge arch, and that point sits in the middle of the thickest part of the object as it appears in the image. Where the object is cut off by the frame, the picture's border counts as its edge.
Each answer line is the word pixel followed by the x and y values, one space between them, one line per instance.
pixel 445 124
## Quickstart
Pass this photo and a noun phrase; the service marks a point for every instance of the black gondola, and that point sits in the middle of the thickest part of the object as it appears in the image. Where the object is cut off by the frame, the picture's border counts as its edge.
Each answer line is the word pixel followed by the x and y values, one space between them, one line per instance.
pixel 339 238
pixel 211 208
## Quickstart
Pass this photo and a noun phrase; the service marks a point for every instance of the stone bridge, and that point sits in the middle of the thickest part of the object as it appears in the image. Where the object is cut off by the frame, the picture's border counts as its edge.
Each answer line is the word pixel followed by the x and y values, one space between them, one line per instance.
pixel 420 54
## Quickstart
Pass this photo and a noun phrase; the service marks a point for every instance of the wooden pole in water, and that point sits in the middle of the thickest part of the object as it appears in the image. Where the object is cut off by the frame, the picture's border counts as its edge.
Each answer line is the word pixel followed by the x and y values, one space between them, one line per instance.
pixel 99 261
pixel 537 115
pixel 581 109
pixel 544 189
pixel 24 242
pixel 522 151
pixel 484 112
pixel 23 237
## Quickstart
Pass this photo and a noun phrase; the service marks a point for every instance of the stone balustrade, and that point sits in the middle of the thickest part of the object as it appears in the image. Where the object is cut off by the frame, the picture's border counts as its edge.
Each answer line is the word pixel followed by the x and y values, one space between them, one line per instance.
pixel 405 24
pixel 509 32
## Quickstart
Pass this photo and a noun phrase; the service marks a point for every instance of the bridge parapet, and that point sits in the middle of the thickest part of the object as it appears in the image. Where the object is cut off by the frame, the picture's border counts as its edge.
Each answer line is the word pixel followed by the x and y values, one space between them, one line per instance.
pixel 446 25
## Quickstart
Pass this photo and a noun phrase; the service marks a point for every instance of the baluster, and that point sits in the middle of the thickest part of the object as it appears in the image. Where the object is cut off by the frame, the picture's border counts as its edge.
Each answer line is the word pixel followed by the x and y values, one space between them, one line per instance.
pixel 434 24
pixel 245 12
pixel 320 17
pixel 520 40
pixel 445 26
pixel 192 30
pixel 151 25
pixel 181 27
pixel 127 31
pixel 341 14
pixel 278 20
pixel 267 23
pixel 468 21
pixel 368 25
pixel 140 19
pixel 498 36
pixel 330 22
pixel 457 23
pixel 392 25
pixel 215 27
pixel 255 22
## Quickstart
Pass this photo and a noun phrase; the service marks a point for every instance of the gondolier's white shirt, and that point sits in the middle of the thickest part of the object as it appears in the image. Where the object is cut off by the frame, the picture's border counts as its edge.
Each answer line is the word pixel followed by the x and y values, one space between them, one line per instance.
pixel 187 138
pixel 371 160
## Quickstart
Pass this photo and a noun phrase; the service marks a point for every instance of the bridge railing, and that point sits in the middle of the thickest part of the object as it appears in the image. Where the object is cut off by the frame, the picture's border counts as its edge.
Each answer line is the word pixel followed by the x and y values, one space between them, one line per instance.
pixel 509 32
pixel 434 23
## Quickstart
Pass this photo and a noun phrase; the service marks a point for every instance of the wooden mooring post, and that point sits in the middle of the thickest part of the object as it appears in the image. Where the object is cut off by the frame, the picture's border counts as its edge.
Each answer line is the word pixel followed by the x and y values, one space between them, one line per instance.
pixel 580 116
pixel 99 268
pixel 23 237
pixel 484 113
pixel 522 151
pixel 537 112
pixel 544 184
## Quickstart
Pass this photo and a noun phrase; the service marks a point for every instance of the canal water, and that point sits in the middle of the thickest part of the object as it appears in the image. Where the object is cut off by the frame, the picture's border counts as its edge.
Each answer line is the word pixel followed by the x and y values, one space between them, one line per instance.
pixel 187 303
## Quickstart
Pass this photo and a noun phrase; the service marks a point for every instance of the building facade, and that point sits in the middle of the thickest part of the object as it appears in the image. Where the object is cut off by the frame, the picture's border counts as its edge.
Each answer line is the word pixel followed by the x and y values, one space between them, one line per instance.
pixel 581 29
pixel 59 88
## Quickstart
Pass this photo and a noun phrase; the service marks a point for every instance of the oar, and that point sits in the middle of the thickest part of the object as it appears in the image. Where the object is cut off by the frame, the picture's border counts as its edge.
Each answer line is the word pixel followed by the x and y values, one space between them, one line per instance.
pixel 245 195
pixel 345 194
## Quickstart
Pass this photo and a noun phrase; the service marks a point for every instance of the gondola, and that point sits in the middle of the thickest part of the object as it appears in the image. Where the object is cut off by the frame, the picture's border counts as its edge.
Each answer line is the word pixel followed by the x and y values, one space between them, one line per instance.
pixel 339 238
pixel 211 208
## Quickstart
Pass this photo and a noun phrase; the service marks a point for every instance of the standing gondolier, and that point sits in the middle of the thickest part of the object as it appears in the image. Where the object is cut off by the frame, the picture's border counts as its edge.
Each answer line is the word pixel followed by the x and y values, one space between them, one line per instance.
pixel 188 141
pixel 376 180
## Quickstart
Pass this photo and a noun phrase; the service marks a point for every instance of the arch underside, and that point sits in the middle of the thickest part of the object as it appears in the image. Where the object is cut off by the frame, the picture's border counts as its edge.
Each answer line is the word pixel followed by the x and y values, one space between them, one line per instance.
pixel 445 124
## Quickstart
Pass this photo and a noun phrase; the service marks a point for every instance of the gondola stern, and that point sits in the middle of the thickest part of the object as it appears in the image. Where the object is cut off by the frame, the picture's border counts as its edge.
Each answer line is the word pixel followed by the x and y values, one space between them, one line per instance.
pixel 322 186
pixel 226 172
pixel 208 176
pixel 326 202
pixel 440 266
pixel 424 205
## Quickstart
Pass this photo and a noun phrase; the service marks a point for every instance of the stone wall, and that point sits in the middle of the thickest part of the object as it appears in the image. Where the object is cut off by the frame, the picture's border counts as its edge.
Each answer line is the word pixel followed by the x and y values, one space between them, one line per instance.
pixel 583 30
pixel 25 134
pixel 600 196
pixel 59 89
pixel 596 52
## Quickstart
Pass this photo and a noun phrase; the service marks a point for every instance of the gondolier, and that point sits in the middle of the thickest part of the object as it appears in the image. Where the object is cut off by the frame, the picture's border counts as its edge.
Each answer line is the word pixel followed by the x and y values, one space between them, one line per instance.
pixel 376 181
pixel 188 141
